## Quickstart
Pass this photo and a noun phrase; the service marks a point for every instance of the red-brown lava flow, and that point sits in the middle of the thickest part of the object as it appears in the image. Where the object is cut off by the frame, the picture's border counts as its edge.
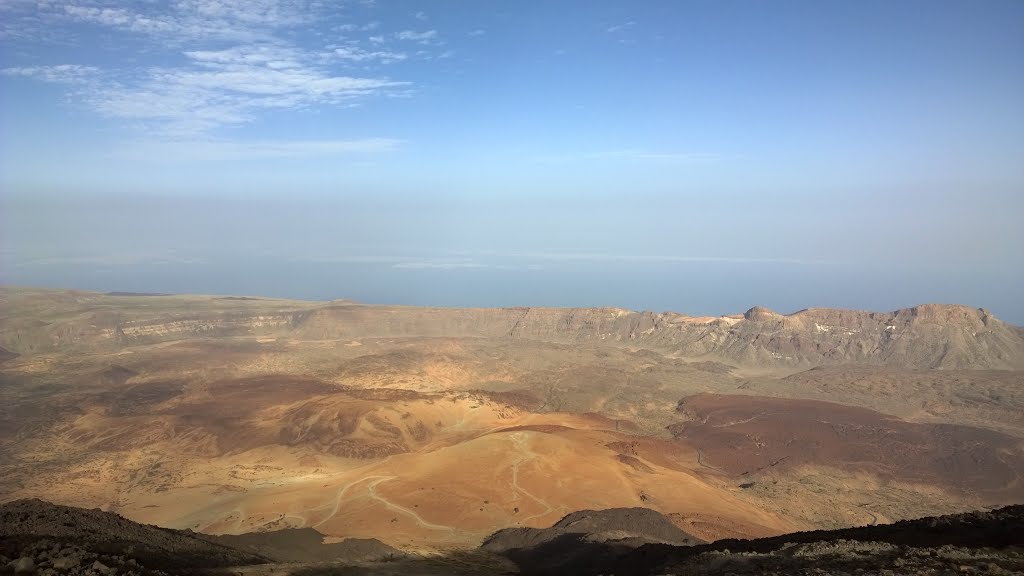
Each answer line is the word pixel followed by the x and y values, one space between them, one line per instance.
pixel 747 434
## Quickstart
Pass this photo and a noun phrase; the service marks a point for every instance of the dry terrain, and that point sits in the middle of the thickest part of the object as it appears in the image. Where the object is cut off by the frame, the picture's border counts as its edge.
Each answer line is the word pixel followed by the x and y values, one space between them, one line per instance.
pixel 432 428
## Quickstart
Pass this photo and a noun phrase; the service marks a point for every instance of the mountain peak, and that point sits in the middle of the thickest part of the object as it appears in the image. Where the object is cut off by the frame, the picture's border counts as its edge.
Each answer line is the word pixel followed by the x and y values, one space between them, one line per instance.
pixel 760 314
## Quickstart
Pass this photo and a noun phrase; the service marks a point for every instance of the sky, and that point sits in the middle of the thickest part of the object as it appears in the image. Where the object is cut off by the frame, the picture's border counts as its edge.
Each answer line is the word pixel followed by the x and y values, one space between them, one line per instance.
pixel 695 156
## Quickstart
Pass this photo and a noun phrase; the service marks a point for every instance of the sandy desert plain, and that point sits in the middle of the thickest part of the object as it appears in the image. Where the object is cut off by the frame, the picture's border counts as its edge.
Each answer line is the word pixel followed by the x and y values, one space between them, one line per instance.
pixel 431 428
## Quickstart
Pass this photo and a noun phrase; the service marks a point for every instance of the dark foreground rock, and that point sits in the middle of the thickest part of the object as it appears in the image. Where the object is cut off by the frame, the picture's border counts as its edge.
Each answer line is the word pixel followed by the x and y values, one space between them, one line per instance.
pixel 635 525
pixel 989 542
pixel 306 545
pixel 586 540
pixel 41 539
pixel 67 540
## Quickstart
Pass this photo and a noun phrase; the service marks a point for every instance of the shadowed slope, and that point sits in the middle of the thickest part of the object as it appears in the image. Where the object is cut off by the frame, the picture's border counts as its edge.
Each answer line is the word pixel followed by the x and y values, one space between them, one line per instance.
pixel 946 543
pixel 964 543
pixel 24 521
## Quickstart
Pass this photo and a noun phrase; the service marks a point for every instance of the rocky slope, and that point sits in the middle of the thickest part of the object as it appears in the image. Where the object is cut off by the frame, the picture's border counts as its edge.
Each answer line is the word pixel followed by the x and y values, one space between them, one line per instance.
pixel 307 545
pixel 979 542
pixel 927 336
pixel 39 536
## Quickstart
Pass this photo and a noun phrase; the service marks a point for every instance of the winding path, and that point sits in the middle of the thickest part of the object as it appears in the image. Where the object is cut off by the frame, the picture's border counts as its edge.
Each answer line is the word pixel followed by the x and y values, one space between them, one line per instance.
pixel 526 455
pixel 874 519
pixel 372 489
pixel 341 494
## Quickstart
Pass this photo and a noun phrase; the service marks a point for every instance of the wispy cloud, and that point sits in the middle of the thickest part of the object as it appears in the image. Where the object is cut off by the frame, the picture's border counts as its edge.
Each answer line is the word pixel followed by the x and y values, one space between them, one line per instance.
pixel 426 37
pixel 128 20
pixel 372 25
pixel 426 263
pixel 359 55
pixel 224 87
pixel 61 73
pixel 477 33
pixel 190 20
pixel 620 27
pixel 665 258
pixel 440 265
pixel 241 60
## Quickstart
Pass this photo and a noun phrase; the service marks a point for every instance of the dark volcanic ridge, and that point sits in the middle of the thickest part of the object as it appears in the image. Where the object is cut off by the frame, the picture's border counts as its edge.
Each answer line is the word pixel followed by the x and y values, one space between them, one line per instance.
pixel 989 542
pixel 986 541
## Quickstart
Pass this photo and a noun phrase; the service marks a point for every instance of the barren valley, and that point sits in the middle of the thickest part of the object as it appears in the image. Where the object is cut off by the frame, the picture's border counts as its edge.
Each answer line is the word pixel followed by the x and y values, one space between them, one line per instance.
pixel 431 429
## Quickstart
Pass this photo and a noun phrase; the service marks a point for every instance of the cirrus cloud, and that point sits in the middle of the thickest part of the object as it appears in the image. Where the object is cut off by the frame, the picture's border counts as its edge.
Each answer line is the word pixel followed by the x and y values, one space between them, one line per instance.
pixel 228 87
pixel 243 59
pixel 60 73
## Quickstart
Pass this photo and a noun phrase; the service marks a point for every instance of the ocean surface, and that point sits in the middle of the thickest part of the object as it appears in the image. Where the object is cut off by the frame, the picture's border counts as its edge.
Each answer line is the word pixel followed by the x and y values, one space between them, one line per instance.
pixel 695 288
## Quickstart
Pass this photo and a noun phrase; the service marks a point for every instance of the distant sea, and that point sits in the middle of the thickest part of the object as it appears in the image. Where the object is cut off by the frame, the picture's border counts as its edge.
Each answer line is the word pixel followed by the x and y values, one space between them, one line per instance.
pixel 696 288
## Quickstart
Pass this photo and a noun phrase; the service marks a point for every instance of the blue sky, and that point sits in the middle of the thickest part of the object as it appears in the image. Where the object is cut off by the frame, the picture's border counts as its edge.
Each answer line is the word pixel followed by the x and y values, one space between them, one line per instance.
pixel 699 156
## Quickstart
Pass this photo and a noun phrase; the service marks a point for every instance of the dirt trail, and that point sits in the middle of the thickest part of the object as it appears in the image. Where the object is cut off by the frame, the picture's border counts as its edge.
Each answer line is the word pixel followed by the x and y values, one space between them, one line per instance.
pixel 341 494
pixel 372 489
pixel 519 439
pixel 230 514
pixel 745 420
pixel 874 518
pixel 701 462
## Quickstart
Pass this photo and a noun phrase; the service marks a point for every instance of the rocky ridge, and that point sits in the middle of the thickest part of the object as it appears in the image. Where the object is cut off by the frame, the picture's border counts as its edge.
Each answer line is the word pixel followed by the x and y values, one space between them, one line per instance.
pixel 927 336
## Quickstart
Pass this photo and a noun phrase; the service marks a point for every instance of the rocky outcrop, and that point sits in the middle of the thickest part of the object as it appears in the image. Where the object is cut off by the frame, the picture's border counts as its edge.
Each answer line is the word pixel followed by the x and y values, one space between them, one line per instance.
pixel 761 314
pixel 157 330
pixel 49 558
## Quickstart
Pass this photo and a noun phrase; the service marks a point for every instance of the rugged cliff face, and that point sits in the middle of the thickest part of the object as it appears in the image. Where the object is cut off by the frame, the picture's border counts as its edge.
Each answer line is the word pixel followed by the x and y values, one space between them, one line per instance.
pixel 928 336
